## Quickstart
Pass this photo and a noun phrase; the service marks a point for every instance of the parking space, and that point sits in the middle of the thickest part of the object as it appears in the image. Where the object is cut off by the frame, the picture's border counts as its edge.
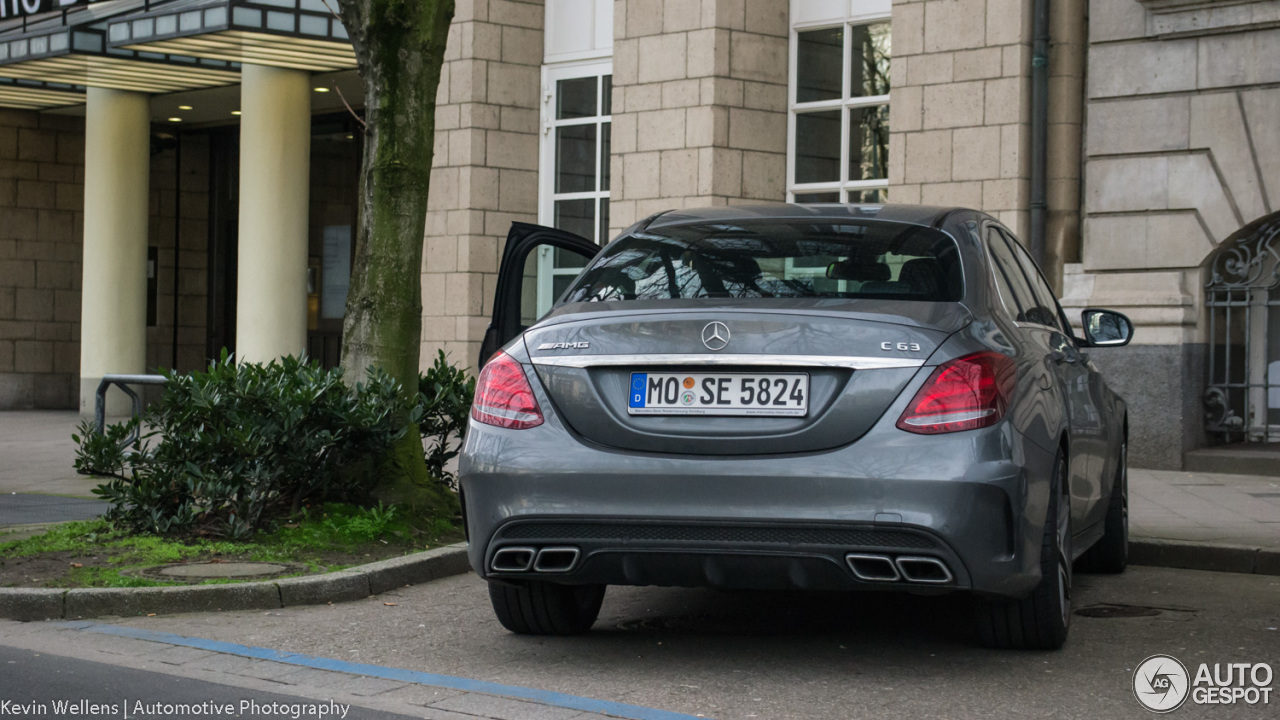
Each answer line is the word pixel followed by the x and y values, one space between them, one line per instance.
pixel 791 655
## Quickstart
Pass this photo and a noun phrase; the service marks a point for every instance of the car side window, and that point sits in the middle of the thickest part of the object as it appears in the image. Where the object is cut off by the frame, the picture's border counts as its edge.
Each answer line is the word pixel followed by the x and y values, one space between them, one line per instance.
pixel 1046 311
pixel 1014 293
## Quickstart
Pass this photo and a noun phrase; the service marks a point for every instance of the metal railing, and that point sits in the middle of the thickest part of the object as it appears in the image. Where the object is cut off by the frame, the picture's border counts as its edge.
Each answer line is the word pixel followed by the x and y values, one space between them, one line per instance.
pixel 123 382
pixel 1242 300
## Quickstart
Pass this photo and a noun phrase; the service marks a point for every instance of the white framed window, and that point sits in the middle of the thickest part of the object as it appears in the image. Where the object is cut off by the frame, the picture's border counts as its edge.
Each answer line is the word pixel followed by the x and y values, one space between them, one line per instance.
pixel 838 124
pixel 573 176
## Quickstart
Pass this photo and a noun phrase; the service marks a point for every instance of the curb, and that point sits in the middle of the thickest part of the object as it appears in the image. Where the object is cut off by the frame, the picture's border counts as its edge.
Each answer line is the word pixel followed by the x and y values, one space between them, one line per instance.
pixel 28 604
pixel 1202 556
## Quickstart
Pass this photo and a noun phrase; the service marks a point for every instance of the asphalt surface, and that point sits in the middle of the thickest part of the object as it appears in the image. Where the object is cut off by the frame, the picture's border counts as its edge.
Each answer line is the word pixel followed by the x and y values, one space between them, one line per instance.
pixel 21 509
pixel 792 655
pixel 41 685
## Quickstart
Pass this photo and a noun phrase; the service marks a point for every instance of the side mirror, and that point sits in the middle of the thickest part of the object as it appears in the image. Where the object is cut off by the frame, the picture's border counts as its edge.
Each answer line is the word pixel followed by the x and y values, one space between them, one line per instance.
pixel 1106 328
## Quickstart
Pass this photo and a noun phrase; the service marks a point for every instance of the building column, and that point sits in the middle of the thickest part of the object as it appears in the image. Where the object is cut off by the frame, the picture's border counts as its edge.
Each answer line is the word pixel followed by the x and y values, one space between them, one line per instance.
pixel 275 163
pixel 699 106
pixel 113 314
pixel 961 127
pixel 485 171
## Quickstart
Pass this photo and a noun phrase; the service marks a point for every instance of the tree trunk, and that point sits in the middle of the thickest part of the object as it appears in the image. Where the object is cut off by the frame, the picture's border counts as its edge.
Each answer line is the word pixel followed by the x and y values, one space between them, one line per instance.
pixel 399 45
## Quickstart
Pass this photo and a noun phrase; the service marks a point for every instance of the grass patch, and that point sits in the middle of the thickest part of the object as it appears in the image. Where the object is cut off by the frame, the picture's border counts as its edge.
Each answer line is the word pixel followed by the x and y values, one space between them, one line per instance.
pixel 332 537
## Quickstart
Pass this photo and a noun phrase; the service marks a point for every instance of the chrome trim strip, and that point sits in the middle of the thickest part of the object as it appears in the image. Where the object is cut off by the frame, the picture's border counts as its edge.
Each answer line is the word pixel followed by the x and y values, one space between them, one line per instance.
pixel 696 359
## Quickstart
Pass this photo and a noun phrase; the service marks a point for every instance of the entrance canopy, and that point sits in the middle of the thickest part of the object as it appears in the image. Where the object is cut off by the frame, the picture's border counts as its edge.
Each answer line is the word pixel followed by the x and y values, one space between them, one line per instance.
pixel 69 45
pixel 36 95
pixel 298 34
pixel 50 50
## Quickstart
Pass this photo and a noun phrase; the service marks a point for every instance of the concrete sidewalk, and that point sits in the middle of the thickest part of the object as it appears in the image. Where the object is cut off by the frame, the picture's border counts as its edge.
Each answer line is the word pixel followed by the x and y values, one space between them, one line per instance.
pixel 36 456
pixel 1205 508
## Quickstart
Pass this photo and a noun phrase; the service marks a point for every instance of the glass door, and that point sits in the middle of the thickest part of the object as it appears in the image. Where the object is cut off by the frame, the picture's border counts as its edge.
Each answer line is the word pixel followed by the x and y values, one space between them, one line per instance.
pixel 573 193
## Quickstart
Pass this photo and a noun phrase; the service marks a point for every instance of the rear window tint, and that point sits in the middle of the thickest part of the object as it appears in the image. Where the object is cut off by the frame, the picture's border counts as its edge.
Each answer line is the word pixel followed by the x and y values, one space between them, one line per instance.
pixel 776 260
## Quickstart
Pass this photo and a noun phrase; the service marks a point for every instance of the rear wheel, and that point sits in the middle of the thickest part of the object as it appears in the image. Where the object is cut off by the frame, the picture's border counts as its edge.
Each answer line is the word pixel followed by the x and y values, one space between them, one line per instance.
pixel 538 607
pixel 1111 553
pixel 1041 620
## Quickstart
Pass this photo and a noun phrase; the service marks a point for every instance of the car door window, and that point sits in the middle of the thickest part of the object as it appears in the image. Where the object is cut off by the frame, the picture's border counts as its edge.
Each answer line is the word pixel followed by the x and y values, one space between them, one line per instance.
pixel 1046 311
pixel 515 302
pixel 539 288
pixel 1015 295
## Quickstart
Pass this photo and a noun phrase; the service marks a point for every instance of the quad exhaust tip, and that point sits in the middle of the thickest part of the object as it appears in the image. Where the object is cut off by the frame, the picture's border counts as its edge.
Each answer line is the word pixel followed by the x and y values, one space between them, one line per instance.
pixel 924 570
pixel 882 568
pixel 556 559
pixel 873 568
pixel 513 559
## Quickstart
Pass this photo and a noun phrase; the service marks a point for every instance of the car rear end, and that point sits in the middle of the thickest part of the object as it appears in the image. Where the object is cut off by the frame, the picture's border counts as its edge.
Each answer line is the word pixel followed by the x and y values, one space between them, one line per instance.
pixel 766 404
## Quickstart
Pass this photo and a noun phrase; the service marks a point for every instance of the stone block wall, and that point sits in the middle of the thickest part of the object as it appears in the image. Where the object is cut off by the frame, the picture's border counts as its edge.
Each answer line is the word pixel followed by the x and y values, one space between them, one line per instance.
pixel 485 172
pixel 699 104
pixel 41 219
pixel 960 118
pixel 1182 145
pixel 1181 150
pixel 41 242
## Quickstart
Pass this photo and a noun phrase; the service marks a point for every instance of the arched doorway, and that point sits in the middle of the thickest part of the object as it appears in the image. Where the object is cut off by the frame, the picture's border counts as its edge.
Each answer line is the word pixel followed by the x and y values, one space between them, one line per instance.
pixel 1242 300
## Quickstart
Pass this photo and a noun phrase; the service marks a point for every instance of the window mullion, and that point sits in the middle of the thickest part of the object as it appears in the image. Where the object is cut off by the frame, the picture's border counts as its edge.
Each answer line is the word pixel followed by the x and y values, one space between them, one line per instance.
pixel 849 105
pixel 868 101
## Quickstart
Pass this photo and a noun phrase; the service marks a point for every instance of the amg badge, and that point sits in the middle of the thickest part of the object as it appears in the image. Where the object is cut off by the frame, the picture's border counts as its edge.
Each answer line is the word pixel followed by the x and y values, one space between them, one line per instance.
pixel 565 346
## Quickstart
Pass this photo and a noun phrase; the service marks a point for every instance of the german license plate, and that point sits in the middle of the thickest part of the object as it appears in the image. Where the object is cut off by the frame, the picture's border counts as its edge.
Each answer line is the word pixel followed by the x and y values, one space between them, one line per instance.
pixel 755 394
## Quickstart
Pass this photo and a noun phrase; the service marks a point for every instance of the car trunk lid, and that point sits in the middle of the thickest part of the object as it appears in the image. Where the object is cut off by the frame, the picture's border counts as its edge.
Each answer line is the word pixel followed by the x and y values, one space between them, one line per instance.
pixel 857 357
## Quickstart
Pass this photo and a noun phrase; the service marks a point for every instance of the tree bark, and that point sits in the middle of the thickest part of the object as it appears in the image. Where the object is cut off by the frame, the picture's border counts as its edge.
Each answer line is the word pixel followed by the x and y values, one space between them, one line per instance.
pixel 399 47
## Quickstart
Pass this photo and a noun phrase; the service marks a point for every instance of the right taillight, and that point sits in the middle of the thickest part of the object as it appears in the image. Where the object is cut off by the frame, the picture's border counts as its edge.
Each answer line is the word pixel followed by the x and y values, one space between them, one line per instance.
pixel 967 393
pixel 504 397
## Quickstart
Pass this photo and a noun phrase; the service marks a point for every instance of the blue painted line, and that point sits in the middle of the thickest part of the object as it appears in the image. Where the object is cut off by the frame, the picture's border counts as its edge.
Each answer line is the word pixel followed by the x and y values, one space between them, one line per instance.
pixel 545 697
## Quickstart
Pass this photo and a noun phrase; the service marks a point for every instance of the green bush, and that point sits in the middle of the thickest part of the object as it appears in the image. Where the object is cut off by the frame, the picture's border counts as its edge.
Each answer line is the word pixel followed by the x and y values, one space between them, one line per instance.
pixel 444 399
pixel 228 451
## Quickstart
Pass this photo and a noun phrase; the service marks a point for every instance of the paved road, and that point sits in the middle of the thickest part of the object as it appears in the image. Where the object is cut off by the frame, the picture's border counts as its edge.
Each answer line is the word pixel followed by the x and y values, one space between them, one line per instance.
pixel 42 685
pixel 783 655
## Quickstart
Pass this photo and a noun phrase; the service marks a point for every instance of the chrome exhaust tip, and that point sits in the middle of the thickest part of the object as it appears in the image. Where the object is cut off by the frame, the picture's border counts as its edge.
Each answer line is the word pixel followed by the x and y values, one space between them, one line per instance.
pixel 924 570
pixel 556 559
pixel 513 559
pixel 872 568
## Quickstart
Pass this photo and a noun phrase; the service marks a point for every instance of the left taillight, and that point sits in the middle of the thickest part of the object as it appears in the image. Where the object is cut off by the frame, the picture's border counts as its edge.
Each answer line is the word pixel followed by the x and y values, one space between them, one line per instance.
pixel 967 393
pixel 504 397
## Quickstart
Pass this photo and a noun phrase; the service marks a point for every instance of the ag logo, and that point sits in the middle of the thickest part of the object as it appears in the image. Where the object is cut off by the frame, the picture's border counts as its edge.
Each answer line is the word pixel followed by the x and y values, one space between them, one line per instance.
pixel 1161 683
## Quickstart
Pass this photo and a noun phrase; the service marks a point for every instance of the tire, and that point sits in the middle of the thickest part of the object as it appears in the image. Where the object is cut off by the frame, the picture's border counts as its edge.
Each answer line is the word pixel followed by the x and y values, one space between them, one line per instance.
pixel 1041 620
pixel 538 607
pixel 1111 553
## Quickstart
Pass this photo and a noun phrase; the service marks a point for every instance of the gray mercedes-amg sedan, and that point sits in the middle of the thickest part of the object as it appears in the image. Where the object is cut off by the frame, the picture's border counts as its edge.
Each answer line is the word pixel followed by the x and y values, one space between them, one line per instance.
pixel 828 397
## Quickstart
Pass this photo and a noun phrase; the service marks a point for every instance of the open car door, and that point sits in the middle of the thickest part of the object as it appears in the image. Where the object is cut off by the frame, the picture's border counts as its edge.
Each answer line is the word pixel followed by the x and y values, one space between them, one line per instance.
pixel 538 263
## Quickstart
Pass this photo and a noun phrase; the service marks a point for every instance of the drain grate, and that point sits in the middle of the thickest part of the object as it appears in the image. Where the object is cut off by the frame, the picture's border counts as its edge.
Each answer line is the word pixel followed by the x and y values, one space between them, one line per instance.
pixel 1117 611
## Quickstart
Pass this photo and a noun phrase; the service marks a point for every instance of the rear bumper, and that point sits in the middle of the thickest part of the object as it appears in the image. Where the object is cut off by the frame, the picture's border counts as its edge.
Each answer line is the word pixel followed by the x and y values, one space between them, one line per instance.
pixel 973 501
pixel 692 553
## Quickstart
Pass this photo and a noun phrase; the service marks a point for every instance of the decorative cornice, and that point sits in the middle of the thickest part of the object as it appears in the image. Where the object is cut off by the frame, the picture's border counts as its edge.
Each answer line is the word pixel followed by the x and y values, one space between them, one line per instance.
pixel 1191 18
pixel 1167 6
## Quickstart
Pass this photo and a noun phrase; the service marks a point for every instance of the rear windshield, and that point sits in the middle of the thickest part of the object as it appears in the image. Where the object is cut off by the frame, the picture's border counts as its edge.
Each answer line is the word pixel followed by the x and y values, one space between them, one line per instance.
pixel 885 261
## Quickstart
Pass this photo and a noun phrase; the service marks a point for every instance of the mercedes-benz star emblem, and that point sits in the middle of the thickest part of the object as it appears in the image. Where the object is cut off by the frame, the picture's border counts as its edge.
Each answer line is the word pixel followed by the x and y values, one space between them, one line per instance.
pixel 715 335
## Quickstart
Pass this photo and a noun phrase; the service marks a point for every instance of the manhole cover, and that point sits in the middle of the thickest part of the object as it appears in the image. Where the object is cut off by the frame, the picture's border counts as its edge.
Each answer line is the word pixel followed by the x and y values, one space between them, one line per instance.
pixel 1117 611
pixel 196 571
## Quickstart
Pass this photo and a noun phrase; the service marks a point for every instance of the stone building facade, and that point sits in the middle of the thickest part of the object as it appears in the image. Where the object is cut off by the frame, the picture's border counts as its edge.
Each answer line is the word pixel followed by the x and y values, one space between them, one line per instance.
pixel 961 115
pixel 41 234
pixel 1182 151
pixel 1154 149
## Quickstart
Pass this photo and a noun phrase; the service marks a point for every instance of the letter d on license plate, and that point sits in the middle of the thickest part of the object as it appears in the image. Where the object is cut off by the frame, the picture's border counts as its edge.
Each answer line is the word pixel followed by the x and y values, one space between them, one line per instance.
pixel 742 394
